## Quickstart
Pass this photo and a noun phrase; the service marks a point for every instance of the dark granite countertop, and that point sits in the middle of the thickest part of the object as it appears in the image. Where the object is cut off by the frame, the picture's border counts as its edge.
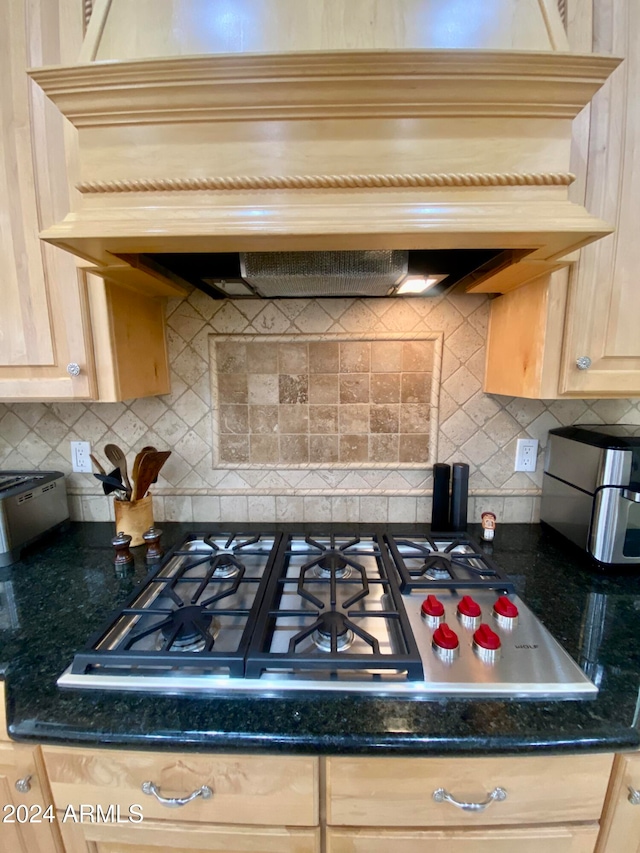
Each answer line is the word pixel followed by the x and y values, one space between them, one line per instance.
pixel 64 589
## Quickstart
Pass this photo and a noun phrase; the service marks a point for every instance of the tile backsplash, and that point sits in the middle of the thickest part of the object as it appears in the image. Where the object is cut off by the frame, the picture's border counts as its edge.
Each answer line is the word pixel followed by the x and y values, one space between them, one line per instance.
pixel 324 401
pixel 202 482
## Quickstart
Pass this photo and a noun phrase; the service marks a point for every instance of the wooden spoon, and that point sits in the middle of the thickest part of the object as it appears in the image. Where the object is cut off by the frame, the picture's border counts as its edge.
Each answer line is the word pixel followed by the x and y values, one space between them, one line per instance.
pixel 116 456
pixel 150 466
pixel 137 461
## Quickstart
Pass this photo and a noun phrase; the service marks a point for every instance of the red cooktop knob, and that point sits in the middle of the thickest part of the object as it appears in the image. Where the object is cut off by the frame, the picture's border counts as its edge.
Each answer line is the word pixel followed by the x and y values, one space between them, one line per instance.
pixel 506 608
pixel 486 638
pixel 445 638
pixel 469 607
pixel 432 607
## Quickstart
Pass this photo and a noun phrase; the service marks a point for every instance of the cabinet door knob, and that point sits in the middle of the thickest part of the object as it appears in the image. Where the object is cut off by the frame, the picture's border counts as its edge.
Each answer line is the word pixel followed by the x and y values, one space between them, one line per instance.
pixel 583 363
pixel 24 785
pixel 497 796
pixel 73 369
pixel 175 802
pixel 634 796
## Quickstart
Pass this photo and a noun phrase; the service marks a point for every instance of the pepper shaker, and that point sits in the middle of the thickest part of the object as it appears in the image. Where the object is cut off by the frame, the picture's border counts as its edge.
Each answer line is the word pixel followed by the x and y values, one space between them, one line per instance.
pixel 124 557
pixel 152 539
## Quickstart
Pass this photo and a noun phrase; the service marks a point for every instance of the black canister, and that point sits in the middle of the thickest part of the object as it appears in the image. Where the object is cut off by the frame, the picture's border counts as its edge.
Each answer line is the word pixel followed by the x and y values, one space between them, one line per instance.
pixel 459 496
pixel 440 509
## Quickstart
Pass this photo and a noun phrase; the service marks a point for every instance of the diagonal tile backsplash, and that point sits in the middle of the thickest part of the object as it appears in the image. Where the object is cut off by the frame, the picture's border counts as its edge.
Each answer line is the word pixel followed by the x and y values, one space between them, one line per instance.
pixel 473 427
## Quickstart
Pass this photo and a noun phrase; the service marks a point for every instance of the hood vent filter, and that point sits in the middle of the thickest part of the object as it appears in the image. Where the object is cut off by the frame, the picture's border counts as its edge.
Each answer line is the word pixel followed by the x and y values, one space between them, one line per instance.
pixel 362 273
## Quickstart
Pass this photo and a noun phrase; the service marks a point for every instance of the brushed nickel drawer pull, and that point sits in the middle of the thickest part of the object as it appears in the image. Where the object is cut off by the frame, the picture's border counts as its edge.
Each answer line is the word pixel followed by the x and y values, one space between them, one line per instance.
pixel 634 796
pixel 175 802
pixel 497 795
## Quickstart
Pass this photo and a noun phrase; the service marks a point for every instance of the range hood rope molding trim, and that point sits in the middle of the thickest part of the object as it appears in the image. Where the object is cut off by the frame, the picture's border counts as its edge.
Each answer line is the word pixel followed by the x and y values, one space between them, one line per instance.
pixel 299 182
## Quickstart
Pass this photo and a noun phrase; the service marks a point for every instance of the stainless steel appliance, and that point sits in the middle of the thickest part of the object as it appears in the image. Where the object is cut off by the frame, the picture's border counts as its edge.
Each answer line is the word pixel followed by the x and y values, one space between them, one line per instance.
pixel 275 613
pixel 31 504
pixel 591 489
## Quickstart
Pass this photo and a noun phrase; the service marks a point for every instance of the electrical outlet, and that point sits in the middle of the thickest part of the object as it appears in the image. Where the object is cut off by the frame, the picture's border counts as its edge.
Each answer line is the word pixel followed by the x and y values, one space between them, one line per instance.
pixel 80 460
pixel 526 454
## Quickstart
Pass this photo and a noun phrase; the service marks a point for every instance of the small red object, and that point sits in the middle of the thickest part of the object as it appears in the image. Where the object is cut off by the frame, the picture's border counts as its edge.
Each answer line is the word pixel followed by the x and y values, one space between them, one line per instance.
pixel 504 607
pixel 432 607
pixel 445 637
pixel 486 638
pixel 469 607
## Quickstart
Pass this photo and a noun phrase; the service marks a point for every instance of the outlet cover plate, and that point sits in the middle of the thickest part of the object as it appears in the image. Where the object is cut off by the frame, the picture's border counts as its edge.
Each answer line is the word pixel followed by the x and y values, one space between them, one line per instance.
pixel 526 455
pixel 80 459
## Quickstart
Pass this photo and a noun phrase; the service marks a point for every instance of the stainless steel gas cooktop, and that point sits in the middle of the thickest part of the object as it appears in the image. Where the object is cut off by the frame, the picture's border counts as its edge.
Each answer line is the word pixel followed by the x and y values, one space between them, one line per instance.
pixel 275 613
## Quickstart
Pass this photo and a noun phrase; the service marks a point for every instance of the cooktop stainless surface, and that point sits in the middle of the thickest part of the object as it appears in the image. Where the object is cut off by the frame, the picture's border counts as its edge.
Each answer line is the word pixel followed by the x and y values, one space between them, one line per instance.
pixel 272 614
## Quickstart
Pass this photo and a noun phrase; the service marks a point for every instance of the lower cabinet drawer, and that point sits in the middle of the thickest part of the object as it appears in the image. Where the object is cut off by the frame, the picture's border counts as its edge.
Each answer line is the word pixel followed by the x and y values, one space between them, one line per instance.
pixel 399 791
pixel 157 837
pixel 264 790
pixel 541 839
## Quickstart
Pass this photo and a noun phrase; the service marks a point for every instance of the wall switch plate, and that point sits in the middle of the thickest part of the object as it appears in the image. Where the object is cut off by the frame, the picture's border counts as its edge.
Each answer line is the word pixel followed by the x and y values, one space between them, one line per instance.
pixel 526 454
pixel 80 459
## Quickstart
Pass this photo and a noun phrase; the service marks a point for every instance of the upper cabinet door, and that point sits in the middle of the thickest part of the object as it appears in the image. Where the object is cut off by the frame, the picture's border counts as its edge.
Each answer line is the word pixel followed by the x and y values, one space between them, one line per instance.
pixel 43 311
pixel 604 293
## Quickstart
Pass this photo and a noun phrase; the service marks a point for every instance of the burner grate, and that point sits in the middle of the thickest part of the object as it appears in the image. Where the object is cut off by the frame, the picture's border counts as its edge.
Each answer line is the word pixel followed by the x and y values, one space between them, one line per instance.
pixel 187 612
pixel 444 562
pixel 333 621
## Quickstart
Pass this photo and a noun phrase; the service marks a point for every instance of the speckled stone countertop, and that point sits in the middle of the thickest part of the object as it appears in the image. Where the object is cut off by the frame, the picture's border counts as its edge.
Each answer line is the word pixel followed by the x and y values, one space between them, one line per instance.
pixel 64 589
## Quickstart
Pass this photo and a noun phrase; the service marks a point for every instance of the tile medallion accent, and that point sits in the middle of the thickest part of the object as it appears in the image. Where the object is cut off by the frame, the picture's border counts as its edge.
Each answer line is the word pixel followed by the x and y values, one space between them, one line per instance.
pixel 325 401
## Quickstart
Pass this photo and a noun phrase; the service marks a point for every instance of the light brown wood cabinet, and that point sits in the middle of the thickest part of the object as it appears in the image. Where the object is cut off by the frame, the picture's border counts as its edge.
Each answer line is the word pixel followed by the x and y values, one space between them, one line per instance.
pixel 53 313
pixel 620 831
pixel 257 803
pixel 551 804
pixel 25 824
pixel 585 316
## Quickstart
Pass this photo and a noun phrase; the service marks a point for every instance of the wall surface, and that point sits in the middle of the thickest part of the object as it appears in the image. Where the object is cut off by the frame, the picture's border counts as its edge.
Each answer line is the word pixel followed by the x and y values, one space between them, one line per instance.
pixel 473 427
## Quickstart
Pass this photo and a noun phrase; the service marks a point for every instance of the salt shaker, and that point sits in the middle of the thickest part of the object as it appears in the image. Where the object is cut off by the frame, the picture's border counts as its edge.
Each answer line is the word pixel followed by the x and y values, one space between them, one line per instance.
pixel 123 557
pixel 152 539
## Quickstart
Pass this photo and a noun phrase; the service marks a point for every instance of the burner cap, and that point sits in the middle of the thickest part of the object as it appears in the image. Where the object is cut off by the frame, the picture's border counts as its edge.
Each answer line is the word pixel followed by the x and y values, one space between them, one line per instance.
pixel 322 634
pixel 332 563
pixel 226 565
pixel 437 567
pixel 193 623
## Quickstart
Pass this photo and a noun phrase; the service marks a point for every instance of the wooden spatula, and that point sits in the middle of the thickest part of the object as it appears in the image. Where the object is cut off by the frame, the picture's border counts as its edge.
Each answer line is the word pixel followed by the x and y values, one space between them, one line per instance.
pixel 116 456
pixel 149 468
pixel 138 460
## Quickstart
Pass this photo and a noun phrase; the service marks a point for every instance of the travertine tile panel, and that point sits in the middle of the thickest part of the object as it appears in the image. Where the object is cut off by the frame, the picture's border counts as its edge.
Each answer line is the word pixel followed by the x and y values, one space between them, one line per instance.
pixel 294 388
pixel 384 448
pixel 294 449
pixel 354 388
pixel 232 388
pixel 355 357
pixel 323 419
pixel 231 357
pixel 263 419
pixel 293 358
pixel 386 356
pixel 324 388
pixel 324 357
pixel 354 418
pixel 323 449
pixel 417 356
pixel 385 418
pixel 263 448
pixel 263 389
pixel 416 387
pixel 385 387
pixel 234 448
pixel 293 419
pixel 261 358
pixel 234 419
pixel 354 448
pixel 412 447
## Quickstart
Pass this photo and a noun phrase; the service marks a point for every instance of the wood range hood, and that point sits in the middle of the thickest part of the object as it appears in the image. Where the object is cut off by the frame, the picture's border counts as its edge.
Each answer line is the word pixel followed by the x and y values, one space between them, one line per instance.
pixel 299 125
